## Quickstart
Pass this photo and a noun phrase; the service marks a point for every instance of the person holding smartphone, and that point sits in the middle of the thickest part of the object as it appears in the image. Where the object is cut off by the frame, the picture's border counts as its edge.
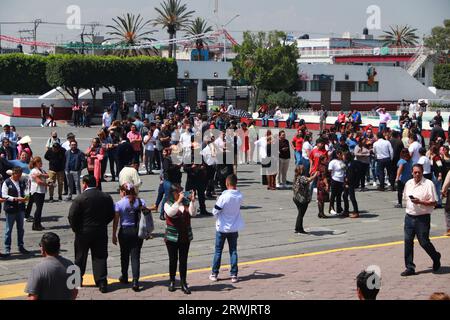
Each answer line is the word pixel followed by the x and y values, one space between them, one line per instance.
pixel 421 197
pixel 178 212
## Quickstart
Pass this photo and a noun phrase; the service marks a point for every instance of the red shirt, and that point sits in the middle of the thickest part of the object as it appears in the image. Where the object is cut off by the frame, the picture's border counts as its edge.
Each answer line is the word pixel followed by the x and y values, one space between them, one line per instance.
pixel 298 143
pixel 315 158
pixel 341 118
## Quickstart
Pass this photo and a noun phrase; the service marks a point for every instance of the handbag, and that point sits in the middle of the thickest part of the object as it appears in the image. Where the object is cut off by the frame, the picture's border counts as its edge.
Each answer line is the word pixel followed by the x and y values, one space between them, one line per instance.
pixel 146 224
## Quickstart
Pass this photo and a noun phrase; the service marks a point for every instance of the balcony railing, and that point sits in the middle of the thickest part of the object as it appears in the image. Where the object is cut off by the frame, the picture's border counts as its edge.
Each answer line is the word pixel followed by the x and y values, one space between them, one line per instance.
pixel 345 52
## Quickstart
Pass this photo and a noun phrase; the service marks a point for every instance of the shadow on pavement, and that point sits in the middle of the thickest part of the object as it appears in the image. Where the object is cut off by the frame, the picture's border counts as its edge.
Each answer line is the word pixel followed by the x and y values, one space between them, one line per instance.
pixel 32 255
pixel 442 270
pixel 260 275
pixel 51 218
pixel 58 228
pixel 250 207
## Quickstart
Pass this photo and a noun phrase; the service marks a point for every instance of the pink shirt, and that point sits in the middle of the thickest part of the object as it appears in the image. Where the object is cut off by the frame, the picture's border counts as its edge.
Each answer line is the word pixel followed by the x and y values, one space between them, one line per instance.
pixel 135 136
pixel 385 117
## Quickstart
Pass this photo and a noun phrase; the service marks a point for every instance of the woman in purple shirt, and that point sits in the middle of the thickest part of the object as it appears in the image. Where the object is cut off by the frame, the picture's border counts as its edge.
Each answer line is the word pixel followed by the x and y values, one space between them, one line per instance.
pixel 127 213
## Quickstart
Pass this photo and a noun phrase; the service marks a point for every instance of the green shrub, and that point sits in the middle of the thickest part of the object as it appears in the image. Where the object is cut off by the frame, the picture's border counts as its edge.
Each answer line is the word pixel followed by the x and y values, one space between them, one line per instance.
pixel 23 74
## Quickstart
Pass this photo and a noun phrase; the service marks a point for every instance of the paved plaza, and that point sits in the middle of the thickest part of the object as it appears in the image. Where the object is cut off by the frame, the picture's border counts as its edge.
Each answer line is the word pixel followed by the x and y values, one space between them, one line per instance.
pixel 306 266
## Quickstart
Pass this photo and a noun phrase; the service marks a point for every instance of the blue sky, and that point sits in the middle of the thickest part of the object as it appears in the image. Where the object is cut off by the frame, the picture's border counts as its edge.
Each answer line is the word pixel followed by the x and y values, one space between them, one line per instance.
pixel 319 18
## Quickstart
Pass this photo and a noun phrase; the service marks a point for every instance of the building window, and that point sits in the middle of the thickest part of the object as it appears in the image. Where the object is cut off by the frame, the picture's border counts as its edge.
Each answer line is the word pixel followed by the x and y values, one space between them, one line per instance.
pixel 423 72
pixel 302 85
pixel 315 85
pixel 345 86
pixel 364 87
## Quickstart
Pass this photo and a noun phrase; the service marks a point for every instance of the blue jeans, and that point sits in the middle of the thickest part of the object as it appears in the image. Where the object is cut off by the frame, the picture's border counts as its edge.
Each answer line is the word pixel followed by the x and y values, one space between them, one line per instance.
pixel 306 165
pixel 232 245
pixel 382 127
pixel 298 158
pixel 166 186
pixel 265 121
pixel 418 226
pixel 373 169
pixel 438 185
pixel 11 219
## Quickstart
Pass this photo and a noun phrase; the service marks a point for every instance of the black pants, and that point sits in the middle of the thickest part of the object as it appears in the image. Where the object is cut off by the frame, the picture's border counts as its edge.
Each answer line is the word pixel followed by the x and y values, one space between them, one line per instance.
pixel 113 168
pixel 381 165
pixel 181 251
pixel 350 191
pixel 400 188
pixel 104 165
pixel 336 192
pixel 393 173
pixel 99 186
pixel 364 171
pixel 157 160
pixel 38 199
pixel 97 242
pixel 301 207
pixel 418 226
pixel 193 183
pixel 130 245
pixel 210 189
pixel 29 207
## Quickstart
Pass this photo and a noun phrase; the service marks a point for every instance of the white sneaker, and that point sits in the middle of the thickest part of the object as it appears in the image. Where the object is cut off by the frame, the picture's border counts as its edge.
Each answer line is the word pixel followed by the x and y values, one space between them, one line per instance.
pixel 213 277
pixel 278 186
pixel 374 184
pixel 234 279
pixel 333 213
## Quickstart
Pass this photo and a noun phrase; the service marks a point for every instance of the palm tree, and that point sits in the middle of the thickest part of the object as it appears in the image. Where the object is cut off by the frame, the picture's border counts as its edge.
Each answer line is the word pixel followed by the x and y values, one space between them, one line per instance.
pixel 400 36
pixel 196 28
pixel 173 16
pixel 128 31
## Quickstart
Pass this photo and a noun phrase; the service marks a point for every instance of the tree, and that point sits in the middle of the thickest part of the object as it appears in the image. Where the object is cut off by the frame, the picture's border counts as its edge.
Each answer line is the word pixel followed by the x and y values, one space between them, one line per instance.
pixel 23 74
pixel 441 76
pixel 129 31
pixel 285 100
pixel 173 16
pixel 196 28
pixel 439 41
pixel 76 72
pixel 266 62
pixel 400 36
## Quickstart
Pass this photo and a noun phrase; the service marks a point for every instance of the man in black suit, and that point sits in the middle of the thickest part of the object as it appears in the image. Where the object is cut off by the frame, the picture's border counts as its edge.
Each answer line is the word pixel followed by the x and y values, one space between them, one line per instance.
pixel 89 216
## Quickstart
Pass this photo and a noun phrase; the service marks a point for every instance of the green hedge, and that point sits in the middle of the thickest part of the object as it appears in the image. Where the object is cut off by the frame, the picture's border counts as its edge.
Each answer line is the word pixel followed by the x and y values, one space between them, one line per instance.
pixel 441 77
pixel 23 74
pixel 36 74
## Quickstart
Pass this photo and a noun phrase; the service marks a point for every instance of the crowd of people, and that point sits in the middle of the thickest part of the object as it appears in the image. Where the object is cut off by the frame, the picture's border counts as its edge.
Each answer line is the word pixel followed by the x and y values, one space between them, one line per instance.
pixel 207 147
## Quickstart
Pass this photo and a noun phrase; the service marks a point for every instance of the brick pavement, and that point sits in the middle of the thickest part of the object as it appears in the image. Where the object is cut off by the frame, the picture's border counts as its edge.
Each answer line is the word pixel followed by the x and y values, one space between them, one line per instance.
pixel 328 276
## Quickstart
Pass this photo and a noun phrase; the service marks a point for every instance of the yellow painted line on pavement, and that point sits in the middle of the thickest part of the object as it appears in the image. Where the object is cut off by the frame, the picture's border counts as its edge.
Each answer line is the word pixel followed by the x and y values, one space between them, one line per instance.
pixel 16 290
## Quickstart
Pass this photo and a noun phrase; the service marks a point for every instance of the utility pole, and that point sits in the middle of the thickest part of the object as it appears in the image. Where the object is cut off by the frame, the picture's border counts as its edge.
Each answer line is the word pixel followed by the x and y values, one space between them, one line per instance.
pixel 36 24
pixel 92 34
pixel 82 40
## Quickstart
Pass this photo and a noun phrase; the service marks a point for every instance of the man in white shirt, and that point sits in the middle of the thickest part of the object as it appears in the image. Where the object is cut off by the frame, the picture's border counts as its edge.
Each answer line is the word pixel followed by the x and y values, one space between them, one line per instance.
pixel 228 224
pixel 384 155
pixel 107 118
pixel 420 195
pixel 230 108
pixel 130 174
pixel 414 147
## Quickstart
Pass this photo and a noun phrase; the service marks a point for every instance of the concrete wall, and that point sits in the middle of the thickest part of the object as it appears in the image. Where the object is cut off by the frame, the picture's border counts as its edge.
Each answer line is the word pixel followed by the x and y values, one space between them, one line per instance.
pixel 395 84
